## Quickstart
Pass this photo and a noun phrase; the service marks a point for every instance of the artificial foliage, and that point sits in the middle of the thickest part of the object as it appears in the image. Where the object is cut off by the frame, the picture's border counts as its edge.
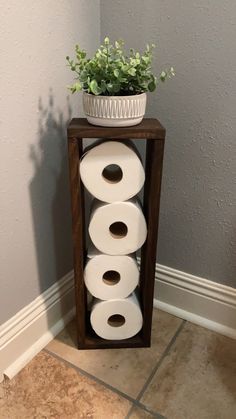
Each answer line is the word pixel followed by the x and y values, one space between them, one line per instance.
pixel 111 72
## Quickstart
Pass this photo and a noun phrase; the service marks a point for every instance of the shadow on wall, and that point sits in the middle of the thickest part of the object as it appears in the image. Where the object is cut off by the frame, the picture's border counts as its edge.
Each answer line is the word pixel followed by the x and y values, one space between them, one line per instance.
pixel 49 194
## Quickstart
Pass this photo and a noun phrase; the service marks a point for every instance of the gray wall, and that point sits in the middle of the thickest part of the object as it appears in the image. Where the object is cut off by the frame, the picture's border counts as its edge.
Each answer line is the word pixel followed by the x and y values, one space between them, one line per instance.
pixel 35 223
pixel 198 217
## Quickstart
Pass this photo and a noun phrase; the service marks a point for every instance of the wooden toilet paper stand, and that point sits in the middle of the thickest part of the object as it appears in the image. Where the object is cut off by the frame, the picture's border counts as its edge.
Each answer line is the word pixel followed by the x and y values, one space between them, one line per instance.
pixel 154 134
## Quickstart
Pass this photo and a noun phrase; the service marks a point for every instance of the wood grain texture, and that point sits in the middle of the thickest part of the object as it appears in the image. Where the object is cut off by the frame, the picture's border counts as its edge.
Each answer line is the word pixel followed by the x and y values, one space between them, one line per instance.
pixel 151 205
pixel 154 133
pixel 77 212
pixel 148 128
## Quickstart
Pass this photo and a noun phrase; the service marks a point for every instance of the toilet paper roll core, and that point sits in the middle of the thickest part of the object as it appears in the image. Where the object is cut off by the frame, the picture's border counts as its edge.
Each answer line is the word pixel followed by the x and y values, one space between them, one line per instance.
pixel 111 277
pixel 116 320
pixel 118 229
pixel 112 173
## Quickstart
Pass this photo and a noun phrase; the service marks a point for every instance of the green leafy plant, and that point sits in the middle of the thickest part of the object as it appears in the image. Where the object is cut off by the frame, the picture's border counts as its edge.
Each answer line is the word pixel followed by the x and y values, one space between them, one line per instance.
pixel 110 72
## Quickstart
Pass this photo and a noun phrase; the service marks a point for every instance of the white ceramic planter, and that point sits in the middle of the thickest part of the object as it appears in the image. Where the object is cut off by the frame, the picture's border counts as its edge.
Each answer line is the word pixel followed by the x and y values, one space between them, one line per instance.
pixel 114 111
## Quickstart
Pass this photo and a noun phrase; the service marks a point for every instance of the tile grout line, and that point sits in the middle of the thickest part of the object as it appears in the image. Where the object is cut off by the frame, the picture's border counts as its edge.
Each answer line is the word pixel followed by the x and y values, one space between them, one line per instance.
pixel 146 409
pixel 157 366
pixel 135 402
pixel 155 369
pixel 91 376
pixel 104 384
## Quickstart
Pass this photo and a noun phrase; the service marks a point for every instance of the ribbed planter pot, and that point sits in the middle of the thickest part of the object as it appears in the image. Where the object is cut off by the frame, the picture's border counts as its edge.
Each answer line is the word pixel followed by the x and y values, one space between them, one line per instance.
pixel 114 111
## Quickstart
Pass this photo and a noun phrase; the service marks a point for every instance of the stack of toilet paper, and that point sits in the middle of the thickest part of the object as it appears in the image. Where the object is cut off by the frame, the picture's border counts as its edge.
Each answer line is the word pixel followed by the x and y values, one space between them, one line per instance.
pixel 113 173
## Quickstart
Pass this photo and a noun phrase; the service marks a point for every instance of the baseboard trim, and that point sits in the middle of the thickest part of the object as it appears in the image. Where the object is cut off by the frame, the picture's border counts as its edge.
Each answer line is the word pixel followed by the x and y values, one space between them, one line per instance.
pixel 198 300
pixel 33 327
pixel 192 298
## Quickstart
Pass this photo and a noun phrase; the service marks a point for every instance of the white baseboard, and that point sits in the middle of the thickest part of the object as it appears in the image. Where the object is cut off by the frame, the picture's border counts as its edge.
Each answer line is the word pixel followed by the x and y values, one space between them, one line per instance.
pixel 195 299
pixel 198 300
pixel 32 328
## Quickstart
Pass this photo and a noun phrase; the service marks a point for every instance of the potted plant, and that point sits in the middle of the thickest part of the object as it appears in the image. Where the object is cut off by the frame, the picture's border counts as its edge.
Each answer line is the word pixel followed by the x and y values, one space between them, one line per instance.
pixel 114 85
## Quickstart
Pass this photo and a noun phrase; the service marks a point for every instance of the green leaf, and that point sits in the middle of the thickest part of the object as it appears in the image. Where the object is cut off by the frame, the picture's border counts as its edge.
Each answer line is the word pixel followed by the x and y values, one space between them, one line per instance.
pixel 133 61
pixel 83 54
pixel 116 87
pixel 163 75
pixel 146 59
pixel 110 87
pixel 103 86
pixel 110 71
pixel 119 44
pixel 116 73
pixel 95 89
pixel 152 85
pixel 76 87
pixel 132 71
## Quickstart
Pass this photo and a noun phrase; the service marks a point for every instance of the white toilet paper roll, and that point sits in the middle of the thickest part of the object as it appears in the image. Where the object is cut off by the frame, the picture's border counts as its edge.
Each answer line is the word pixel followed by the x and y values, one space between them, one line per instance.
pixel 118 228
pixel 116 319
pixel 107 277
pixel 112 171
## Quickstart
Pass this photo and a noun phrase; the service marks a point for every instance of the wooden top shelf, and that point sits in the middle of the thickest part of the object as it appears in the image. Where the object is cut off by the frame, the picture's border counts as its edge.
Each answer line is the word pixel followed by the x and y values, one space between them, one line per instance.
pixel 149 128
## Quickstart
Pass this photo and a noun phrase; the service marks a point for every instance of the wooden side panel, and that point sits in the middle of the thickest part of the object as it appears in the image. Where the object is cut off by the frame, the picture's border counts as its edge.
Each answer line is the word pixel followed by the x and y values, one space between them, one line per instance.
pixel 151 205
pixel 77 212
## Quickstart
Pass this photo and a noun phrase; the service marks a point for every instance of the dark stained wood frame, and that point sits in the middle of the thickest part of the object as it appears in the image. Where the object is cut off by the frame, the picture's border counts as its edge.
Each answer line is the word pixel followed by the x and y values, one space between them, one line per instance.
pixel 154 134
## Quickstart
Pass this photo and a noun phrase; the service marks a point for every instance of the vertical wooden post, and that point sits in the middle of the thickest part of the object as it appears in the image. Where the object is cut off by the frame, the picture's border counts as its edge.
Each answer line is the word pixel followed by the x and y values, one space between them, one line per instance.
pixel 151 204
pixel 75 147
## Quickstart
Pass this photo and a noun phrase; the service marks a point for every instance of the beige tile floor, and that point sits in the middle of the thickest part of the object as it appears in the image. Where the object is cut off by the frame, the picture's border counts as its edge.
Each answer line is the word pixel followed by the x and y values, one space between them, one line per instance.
pixel 188 373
